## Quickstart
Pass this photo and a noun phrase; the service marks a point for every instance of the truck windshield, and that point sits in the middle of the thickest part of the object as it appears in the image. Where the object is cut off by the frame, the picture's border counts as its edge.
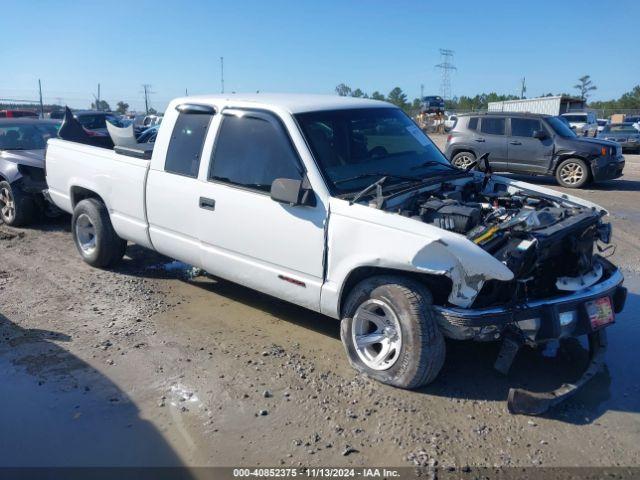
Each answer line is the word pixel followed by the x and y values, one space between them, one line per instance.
pixel 560 127
pixel 353 146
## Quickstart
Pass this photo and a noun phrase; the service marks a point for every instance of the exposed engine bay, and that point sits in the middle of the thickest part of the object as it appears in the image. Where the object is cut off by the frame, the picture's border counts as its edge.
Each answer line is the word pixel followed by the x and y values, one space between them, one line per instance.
pixel 546 242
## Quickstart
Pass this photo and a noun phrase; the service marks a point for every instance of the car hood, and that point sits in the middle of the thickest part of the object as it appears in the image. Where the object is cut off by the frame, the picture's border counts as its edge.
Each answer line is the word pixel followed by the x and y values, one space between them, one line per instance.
pixel 593 141
pixel 32 158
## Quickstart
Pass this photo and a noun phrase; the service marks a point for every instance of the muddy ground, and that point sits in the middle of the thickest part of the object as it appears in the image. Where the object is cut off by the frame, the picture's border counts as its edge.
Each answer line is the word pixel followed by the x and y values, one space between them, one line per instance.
pixel 148 365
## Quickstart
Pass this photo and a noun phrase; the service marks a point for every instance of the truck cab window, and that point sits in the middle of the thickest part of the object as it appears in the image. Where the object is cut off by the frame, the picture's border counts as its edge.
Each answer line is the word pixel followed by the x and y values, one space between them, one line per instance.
pixel 185 147
pixel 252 152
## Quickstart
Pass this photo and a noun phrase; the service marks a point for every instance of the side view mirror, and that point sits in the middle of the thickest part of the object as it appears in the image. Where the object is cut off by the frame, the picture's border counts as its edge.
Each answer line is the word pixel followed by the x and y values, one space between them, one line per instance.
pixel 293 192
pixel 540 134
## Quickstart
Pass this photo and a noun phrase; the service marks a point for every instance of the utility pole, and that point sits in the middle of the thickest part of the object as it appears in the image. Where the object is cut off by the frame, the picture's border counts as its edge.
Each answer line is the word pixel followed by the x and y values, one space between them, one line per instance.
pixel 523 87
pixel 221 74
pixel 446 65
pixel 186 92
pixel 98 100
pixel 421 91
pixel 41 104
pixel 147 91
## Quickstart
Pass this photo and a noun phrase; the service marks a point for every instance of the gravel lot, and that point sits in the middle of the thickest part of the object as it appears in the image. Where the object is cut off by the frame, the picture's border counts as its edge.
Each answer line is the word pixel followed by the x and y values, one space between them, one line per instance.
pixel 150 365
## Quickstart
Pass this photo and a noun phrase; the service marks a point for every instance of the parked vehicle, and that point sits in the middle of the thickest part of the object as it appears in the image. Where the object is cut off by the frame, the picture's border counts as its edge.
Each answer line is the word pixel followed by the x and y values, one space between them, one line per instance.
pixel 432 104
pixel 634 120
pixel 533 145
pixel 95 121
pixel 343 206
pixel 583 123
pixel 22 180
pixel 450 122
pixel 18 114
pixel 149 135
pixel 625 134
pixel 602 122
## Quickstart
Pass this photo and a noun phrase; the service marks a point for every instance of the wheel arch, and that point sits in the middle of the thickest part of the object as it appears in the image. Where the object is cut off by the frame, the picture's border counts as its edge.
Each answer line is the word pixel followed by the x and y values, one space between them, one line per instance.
pixel 77 194
pixel 439 285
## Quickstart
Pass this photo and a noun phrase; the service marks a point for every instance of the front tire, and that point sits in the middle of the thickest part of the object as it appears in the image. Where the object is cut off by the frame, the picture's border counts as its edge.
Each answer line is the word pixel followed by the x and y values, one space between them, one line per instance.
pixel 17 208
pixel 390 334
pixel 463 160
pixel 573 173
pixel 94 236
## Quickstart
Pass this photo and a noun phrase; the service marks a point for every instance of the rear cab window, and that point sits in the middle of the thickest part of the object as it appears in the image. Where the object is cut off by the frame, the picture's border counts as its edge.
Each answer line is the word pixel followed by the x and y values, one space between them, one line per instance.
pixel 185 148
pixel 492 126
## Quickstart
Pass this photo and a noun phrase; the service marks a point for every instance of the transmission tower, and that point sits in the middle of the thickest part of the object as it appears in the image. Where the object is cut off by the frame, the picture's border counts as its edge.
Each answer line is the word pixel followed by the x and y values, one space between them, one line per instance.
pixel 446 65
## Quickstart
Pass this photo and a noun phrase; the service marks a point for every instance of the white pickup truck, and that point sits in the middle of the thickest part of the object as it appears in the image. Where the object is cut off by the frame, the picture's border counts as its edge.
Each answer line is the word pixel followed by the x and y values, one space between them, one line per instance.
pixel 345 207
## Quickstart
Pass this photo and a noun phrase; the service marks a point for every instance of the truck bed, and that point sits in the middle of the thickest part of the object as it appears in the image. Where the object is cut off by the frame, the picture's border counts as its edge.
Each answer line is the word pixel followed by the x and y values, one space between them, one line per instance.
pixel 118 176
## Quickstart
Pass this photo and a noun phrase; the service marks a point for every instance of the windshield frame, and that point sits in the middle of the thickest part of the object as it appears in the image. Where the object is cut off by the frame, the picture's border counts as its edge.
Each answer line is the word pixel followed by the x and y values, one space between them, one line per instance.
pixel 392 183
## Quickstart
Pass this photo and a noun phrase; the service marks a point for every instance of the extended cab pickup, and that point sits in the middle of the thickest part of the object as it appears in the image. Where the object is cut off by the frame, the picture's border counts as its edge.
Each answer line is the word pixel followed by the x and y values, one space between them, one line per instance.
pixel 345 207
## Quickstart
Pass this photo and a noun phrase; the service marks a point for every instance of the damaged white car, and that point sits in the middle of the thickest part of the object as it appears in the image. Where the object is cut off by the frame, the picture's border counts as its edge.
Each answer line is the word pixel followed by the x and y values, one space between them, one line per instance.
pixel 345 207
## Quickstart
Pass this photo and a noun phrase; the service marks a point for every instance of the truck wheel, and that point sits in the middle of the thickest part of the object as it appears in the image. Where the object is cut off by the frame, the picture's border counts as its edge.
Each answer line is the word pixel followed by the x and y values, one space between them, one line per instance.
pixel 462 160
pixel 390 334
pixel 573 173
pixel 94 236
pixel 17 208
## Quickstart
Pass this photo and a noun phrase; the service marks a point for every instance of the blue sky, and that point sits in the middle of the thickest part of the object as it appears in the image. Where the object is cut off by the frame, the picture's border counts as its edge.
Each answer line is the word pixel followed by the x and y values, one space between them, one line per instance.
pixel 311 46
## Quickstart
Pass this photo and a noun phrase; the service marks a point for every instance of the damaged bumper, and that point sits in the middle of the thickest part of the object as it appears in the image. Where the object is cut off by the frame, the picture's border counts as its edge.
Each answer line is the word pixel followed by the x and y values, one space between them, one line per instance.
pixel 539 320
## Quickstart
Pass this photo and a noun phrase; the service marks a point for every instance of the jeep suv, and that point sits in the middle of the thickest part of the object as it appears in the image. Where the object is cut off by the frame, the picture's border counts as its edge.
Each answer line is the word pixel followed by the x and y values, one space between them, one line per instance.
pixel 533 144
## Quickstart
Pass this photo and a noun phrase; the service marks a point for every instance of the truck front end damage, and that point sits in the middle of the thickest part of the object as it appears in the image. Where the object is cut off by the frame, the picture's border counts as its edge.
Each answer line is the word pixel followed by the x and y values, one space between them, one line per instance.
pixel 559 287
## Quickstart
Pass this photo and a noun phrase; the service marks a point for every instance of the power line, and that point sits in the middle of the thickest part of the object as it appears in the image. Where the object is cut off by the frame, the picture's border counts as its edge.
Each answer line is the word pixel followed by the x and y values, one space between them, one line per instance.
pixel 446 65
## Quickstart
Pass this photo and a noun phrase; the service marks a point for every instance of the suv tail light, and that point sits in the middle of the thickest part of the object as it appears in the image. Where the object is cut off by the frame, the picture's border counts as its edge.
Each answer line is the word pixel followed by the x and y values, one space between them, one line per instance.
pixel 449 137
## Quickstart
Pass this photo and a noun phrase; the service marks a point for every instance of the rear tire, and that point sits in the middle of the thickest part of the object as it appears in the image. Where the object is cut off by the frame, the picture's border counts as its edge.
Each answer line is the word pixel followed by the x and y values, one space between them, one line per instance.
pixel 17 208
pixel 390 334
pixel 463 160
pixel 94 236
pixel 573 173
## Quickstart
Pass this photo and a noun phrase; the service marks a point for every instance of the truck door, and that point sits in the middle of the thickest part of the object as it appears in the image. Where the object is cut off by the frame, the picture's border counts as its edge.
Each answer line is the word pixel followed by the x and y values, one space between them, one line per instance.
pixel 491 138
pixel 246 236
pixel 172 193
pixel 528 154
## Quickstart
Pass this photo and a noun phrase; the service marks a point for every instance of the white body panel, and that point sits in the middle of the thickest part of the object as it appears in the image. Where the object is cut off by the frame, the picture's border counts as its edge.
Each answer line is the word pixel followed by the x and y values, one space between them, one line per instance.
pixel 301 254
pixel 119 180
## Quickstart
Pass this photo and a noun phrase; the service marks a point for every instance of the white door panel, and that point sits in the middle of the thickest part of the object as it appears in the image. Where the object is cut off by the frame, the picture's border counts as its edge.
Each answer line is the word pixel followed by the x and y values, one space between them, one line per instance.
pixel 274 248
pixel 172 209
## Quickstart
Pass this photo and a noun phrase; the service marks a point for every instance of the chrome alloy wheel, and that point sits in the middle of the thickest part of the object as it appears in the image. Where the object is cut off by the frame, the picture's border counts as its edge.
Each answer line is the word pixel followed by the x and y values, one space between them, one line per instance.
pixel 463 161
pixel 376 334
pixel 86 234
pixel 572 173
pixel 7 205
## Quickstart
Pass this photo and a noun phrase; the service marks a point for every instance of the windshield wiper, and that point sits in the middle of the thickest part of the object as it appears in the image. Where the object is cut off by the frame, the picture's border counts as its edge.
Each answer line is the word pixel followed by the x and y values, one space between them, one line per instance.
pixel 377 185
pixel 432 163
pixel 374 174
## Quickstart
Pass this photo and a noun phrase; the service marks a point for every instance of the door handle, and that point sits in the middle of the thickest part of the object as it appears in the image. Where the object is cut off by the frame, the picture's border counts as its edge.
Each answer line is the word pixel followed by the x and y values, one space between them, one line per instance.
pixel 207 203
pixel 479 139
pixel 515 142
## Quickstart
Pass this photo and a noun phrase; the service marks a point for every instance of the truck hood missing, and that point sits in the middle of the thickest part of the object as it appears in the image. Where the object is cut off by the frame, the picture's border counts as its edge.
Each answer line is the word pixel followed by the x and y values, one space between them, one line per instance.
pixel 496 242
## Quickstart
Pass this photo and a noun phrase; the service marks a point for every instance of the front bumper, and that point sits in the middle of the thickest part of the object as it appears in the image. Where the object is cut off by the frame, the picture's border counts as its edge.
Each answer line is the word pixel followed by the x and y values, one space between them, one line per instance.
pixel 506 322
pixel 489 323
pixel 610 169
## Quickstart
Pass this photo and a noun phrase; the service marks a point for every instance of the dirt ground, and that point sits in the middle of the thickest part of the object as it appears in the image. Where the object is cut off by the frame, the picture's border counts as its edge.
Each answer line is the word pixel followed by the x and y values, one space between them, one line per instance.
pixel 149 365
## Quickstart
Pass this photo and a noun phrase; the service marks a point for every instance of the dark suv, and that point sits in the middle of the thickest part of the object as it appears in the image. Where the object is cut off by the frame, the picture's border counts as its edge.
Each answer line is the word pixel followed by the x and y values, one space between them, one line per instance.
pixel 535 145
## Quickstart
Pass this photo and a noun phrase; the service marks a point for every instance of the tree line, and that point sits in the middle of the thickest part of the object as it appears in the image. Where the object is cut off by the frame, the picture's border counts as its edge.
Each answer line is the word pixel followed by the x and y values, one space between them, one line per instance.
pixel 627 101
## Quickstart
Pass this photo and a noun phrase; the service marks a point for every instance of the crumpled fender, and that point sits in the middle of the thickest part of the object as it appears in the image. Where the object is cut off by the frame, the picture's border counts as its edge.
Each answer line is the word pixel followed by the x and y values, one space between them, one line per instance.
pixel 362 236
